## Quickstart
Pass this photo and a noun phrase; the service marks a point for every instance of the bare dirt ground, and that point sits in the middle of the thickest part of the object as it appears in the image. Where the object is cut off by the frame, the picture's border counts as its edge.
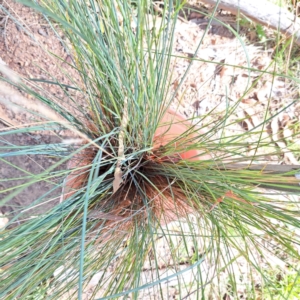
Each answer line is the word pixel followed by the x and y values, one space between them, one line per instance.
pixel 27 165
pixel 209 85
pixel 26 40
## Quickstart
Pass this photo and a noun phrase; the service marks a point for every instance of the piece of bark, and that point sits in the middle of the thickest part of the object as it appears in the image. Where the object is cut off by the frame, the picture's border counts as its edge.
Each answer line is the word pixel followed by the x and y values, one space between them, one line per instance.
pixel 263 12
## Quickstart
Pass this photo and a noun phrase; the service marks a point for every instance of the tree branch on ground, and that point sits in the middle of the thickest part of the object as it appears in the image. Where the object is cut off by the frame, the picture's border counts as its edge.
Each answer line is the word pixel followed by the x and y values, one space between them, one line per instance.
pixel 263 12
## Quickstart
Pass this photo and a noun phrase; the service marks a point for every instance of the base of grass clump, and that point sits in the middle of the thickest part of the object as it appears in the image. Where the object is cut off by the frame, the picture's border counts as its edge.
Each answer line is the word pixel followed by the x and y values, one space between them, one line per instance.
pixel 145 190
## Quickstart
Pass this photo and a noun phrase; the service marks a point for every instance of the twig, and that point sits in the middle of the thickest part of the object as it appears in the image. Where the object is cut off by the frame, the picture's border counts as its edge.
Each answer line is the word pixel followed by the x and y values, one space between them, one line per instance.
pixel 291 184
pixel 267 169
pixel 14 101
pixel 291 44
pixel 263 12
pixel 4 35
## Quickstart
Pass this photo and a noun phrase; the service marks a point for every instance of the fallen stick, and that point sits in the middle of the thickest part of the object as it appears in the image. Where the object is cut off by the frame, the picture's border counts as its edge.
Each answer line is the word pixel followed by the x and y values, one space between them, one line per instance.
pixel 263 12
pixel 264 168
pixel 288 182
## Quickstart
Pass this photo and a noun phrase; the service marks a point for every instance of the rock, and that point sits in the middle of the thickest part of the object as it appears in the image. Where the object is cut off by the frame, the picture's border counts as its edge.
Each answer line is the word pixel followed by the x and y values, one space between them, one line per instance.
pixel 3 221
pixel 42 32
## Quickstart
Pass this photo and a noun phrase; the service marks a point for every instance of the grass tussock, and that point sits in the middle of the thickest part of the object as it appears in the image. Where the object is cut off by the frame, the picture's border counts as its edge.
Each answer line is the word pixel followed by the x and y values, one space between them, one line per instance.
pixel 147 196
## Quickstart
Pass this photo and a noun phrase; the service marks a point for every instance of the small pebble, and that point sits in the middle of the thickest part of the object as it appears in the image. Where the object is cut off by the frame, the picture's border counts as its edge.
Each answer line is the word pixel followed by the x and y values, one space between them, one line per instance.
pixel 3 221
pixel 42 32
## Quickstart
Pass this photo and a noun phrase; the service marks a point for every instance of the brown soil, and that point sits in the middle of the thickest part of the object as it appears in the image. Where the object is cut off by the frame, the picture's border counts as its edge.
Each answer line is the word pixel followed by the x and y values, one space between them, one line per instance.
pixel 15 169
pixel 22 48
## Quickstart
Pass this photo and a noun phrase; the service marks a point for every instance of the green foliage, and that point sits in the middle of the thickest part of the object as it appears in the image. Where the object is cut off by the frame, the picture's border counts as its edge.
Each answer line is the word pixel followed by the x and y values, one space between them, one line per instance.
pixel 221 214
pixel 282 285
pixel 39 293
pixel 261 33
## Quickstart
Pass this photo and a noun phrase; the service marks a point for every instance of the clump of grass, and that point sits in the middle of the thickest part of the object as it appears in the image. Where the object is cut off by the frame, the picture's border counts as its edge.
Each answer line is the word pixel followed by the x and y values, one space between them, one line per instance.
pixel 120 192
